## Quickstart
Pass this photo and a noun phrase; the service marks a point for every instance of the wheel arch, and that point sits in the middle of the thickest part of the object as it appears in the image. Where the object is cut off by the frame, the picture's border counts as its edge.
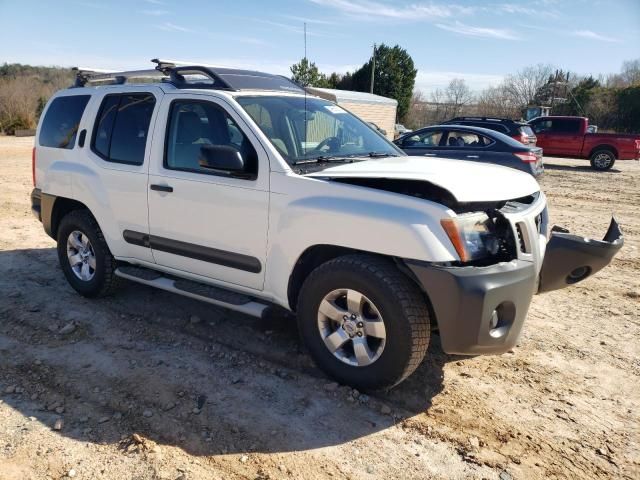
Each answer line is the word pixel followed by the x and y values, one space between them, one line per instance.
pixel 309 260
pixel 604 146
pixel 54 209
pixel 316 255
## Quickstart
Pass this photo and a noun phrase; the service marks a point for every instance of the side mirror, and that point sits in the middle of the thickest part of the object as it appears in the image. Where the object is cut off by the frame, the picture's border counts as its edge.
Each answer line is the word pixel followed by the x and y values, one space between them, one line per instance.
pixel 222 158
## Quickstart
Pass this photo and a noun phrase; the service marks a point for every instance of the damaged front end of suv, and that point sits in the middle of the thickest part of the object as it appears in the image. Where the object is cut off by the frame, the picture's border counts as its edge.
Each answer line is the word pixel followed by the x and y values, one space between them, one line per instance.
pixel 506 254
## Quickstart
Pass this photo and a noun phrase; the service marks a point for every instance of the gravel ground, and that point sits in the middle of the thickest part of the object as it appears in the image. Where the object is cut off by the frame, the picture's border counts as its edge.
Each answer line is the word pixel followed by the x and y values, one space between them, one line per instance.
pixel 149 385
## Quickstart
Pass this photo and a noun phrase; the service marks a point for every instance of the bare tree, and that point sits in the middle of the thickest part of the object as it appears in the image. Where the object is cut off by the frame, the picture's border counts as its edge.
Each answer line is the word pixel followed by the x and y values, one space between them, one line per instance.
pixel 497 102
pixel 629 75
pixel 523 85
pixel 457 95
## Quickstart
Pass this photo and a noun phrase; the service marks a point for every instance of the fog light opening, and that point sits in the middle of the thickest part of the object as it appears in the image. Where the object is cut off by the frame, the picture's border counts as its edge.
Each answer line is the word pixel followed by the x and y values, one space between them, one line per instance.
pixel 578 274
pixel 501 319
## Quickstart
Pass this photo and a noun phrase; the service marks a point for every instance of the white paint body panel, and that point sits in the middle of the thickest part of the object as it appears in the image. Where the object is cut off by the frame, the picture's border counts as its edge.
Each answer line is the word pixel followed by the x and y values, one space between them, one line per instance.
pixel 274 218
pixel 467 181
pixel 212 211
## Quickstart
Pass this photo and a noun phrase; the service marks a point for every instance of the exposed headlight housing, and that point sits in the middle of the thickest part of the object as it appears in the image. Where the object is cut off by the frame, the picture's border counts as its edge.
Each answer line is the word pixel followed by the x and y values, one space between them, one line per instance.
pixel 472 235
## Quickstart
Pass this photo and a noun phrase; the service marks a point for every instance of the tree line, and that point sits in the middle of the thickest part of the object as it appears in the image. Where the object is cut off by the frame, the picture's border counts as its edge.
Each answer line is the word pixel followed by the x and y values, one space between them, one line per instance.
pixel 24 91
pixel 610 101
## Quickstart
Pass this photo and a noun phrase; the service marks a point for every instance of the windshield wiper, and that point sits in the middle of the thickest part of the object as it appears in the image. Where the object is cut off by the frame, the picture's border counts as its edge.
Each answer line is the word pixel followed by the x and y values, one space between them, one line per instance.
pixel 343 158
pixel 324 159
pixel 381 154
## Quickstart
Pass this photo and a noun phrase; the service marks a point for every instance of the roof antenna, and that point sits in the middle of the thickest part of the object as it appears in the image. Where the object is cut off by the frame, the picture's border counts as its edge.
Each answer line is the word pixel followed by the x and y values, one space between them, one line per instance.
pixel 305 92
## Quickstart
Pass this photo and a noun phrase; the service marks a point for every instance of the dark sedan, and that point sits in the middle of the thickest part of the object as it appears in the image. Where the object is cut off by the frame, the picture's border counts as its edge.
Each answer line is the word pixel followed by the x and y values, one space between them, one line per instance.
pixel 474 144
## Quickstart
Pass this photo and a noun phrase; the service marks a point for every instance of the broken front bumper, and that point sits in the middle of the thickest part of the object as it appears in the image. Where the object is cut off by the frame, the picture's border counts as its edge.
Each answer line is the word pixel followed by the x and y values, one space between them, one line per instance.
pixel 481 310
pixel 570 259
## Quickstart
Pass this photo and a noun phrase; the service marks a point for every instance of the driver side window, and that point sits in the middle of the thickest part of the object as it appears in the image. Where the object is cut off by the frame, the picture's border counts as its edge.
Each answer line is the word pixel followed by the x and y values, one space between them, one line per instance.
pixel 426 139
pixel 542 126
pixel 194 124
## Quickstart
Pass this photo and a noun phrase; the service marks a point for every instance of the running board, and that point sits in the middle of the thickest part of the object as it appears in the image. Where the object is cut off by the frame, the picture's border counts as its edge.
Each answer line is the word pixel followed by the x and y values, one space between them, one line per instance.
pixel 199 291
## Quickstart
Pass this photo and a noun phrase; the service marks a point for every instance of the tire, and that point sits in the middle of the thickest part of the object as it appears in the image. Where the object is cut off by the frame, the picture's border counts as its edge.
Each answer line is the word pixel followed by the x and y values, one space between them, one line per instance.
pixel 602 159
pixel 388 295
pixel 98 263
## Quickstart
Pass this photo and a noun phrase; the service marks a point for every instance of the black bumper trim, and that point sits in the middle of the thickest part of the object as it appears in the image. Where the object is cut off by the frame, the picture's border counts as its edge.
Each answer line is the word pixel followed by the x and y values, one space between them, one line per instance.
pixel 36 203
pixel 569 259
pixel 464 300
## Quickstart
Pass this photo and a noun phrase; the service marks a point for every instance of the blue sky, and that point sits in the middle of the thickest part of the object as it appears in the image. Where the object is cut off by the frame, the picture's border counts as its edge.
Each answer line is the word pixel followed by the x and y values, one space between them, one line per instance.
pixel 477 41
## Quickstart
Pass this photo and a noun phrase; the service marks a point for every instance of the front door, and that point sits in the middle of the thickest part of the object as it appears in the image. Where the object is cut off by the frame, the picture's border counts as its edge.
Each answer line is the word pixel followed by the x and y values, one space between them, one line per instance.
pixel 559 136
pixel 204 221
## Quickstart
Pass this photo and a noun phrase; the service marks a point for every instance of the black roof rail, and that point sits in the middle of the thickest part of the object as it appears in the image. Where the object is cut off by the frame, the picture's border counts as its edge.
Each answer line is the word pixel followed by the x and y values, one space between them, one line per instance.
pixel 187 75
pixel 483 119
pixel 86 76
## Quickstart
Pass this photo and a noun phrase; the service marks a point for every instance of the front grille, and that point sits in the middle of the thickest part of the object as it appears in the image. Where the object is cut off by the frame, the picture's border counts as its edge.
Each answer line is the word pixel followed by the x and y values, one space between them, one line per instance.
pixel 523 247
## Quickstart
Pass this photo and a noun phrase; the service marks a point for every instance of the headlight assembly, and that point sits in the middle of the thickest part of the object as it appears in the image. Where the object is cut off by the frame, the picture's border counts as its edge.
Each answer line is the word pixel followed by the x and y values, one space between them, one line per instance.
pixel 472 235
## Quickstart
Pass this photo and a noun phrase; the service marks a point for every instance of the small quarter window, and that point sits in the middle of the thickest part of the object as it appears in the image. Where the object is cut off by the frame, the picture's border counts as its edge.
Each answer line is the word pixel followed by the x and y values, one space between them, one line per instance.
pixel 122 127
pixel 60 125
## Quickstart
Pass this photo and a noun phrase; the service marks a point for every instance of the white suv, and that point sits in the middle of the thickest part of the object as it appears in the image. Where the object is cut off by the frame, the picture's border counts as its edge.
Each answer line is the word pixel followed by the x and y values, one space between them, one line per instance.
pixel 239 189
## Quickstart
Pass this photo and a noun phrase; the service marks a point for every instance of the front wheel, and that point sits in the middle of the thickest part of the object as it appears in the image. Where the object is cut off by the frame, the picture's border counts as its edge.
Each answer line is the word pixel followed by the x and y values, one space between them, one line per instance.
pixel 364 322
pixel 602 160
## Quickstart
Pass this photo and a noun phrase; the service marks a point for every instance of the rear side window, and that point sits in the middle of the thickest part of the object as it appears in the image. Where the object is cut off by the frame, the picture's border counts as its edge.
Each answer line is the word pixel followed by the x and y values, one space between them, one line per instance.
pixel 467 140
pixel 60 125
pixel 122 127
pixel 565 125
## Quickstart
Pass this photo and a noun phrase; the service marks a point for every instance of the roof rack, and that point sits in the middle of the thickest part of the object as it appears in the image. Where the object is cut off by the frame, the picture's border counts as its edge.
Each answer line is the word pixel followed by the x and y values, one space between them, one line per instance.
pixel 484 119
pixel 93 75
pixel 188 75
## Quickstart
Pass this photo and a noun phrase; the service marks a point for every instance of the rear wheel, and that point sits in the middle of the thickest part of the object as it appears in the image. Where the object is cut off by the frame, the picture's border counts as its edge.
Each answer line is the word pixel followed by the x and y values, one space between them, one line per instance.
pixel 364 322
pixel 84 255
pixel 602 160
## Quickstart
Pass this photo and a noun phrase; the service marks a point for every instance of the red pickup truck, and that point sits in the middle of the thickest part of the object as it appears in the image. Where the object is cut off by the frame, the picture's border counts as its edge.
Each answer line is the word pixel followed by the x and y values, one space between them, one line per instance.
pixel 569 137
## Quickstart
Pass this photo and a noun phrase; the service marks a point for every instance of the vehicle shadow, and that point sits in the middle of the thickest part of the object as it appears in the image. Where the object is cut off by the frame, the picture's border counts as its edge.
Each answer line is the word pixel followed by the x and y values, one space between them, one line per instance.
pixel 576 168
pixel 176 371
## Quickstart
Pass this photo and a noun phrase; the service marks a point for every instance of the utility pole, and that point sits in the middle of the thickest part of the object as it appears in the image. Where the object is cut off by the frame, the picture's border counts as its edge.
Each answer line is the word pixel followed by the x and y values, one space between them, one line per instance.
pixel 373 68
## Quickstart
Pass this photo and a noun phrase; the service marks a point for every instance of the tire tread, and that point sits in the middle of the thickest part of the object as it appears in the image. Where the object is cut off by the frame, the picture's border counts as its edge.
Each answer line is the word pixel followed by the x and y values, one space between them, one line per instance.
pixel 412 301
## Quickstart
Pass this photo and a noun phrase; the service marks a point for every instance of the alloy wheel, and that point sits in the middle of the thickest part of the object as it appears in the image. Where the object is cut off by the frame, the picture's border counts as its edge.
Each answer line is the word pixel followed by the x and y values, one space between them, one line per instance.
pixel 351 327
pixel 82 258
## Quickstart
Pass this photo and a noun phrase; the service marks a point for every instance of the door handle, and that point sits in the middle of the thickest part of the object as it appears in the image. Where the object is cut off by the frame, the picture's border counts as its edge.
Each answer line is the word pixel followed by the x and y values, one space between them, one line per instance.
pixel 473 156
pixel 161 188
pixel 430 154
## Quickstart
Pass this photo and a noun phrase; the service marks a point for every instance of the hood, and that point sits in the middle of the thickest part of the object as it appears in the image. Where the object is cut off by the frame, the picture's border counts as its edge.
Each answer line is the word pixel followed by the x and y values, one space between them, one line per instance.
pixel 466 181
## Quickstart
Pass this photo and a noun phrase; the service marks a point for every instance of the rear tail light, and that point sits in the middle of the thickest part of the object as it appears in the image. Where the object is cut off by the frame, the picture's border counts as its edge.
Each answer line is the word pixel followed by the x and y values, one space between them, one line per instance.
pixel 527 157
pixel 638 145
pixel 33 166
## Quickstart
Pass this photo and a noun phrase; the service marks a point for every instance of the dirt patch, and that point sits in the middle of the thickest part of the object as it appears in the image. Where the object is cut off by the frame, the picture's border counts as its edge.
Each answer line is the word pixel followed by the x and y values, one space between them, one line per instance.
pixel 147 384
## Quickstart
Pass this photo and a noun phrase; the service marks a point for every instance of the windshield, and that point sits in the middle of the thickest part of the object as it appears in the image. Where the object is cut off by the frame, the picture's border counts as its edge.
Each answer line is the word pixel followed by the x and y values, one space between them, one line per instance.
pixel 306 130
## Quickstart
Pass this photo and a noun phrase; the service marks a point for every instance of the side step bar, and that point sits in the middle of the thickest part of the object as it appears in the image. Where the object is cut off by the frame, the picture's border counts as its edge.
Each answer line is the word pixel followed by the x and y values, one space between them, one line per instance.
pixel 199 291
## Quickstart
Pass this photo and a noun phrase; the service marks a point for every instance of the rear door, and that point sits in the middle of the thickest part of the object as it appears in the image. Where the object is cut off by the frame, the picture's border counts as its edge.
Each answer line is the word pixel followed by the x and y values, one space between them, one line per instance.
pixel 202 221
pixel 427 143
pixel 113 180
